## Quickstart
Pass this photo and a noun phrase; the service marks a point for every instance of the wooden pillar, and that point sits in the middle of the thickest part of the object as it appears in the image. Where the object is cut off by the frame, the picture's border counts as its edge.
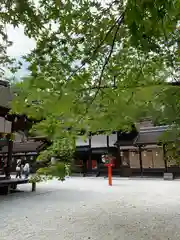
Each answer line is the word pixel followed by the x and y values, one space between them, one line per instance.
pixel 140 160
pixel 107 142
pixel 118 158
pixel 98 168
pixel 118 161
pixel 108 150
pixel 9 156
pixel 84 167
pixel 89 161
pixel 89 156
pixel 165 157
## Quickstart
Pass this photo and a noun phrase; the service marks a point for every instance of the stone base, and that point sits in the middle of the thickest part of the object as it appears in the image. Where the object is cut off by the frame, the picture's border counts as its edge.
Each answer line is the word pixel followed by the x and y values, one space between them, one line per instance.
pixel 33 186
pixel 168 176
pixel 14 186
pixel 4 190
pixel 125 171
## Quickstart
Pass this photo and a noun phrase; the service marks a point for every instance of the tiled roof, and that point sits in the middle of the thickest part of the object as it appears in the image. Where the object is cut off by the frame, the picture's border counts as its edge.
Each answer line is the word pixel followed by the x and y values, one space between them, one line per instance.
pixel 146 135
pixel 19 147
pixel 155 128
pixel 126 139
pixel 125 142
pixel 150 135
pixel 4 83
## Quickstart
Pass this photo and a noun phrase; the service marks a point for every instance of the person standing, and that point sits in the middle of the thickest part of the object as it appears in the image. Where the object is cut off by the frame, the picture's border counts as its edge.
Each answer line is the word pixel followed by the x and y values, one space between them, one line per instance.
pixel 18 168
pixel 26 170
pixel 6 169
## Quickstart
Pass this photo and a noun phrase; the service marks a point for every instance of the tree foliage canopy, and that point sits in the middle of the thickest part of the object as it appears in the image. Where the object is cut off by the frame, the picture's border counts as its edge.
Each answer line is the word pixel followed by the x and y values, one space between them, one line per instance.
pixel 97 64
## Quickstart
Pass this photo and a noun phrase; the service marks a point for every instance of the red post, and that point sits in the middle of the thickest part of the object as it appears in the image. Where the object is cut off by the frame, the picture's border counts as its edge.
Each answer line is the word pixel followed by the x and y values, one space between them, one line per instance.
pixel 109 164
pixel 110 174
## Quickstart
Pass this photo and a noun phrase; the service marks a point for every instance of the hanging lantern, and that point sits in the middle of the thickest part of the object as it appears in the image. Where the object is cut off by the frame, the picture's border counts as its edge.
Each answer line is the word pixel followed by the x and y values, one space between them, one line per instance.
pixel 103 158
pixel 106 159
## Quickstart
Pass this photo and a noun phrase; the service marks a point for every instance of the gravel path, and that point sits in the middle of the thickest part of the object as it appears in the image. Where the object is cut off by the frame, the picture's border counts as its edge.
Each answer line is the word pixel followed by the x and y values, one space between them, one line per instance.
pixel 86 208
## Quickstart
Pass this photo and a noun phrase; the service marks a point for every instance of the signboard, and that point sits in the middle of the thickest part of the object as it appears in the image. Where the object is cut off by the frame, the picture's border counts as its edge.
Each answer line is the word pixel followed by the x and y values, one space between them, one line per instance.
pixel 3 140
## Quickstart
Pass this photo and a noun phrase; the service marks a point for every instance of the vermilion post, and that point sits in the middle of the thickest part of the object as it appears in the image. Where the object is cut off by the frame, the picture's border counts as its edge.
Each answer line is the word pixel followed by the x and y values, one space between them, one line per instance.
pixel 109 164
pixel 110 174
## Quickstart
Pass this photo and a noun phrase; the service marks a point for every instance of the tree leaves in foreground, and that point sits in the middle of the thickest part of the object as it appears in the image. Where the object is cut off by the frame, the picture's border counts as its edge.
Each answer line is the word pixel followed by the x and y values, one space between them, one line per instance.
pixel 97 65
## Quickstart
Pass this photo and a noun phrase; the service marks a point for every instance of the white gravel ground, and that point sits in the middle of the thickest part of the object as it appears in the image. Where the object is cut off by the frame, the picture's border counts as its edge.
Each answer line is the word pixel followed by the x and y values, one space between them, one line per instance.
pixel 86 208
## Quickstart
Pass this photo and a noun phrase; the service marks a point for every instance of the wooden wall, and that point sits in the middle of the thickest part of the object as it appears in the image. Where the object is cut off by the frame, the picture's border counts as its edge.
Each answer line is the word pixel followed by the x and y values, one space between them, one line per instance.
pixel 151 158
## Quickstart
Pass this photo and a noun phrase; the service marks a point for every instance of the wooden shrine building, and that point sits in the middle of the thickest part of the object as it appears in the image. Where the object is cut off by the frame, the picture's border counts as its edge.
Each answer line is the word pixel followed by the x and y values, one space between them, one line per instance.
pixel 13 143
pixel 136 153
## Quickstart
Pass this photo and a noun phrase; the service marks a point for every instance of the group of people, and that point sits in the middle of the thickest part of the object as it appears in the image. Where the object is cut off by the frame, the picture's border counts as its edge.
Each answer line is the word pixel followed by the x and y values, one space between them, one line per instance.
pixel 22 169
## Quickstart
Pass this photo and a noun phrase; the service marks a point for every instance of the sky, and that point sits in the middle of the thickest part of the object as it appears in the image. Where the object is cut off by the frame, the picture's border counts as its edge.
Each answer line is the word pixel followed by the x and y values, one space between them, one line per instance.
pixel 21 43
pixel 21 46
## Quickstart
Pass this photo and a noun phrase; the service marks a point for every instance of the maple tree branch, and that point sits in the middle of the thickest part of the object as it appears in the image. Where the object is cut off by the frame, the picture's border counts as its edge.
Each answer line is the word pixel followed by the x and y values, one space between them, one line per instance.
pixel 166 38
pixel 120 20
pixel 102 88
pixel 137 77
pixel 95 50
